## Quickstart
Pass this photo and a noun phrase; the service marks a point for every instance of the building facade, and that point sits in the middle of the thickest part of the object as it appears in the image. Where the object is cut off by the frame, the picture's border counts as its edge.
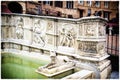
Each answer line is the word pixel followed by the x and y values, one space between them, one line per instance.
pixel 67 9
pixel 78 9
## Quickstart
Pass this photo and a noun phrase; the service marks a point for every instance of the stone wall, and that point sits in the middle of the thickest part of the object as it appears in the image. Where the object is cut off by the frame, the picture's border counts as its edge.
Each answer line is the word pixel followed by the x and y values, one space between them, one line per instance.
pixel 82 40
pixel 85 35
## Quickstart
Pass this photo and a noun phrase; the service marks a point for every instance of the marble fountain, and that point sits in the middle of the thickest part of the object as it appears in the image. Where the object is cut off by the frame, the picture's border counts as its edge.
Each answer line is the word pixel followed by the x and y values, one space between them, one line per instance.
pixel 75 47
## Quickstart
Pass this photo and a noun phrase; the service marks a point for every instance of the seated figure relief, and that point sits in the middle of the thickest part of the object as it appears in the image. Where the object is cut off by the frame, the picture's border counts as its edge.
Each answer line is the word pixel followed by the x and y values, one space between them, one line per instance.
pixel 38 33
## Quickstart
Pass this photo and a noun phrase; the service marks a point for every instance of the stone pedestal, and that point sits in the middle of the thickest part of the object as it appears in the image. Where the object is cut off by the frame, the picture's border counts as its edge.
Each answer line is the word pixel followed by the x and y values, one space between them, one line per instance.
pixel 91 46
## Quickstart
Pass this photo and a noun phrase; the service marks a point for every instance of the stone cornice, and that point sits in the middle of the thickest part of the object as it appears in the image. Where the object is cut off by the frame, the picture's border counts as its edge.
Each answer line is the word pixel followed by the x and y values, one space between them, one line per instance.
pixel 56 18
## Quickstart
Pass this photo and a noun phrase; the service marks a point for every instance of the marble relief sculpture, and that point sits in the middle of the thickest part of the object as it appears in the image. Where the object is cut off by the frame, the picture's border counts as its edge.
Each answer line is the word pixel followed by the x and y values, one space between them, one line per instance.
pixel 101 48
pixel 57 64
pixel 101 30
pixel 89 47
pixel 19 28
pixel 67 37
pixel 50 26
pixel 86 52
pixel 89 29
pixel 63 37
pixel 39 33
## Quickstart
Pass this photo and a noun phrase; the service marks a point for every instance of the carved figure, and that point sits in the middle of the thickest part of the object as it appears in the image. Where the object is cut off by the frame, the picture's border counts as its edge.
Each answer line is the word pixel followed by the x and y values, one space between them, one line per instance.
pixel 56 61
pixel 100 48
pixel 67 37
pixel 101 31
pixel 89 47
pixel 39 33
pixel 63 37
pixel 49 26
pixel 57 64
pixel 90 30
pixel 70 40
pixel 19 28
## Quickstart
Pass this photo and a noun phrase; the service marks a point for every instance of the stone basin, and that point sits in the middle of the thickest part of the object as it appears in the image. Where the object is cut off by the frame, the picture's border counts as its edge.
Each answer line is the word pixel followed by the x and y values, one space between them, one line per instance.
pixel 57 72
pixel 82 74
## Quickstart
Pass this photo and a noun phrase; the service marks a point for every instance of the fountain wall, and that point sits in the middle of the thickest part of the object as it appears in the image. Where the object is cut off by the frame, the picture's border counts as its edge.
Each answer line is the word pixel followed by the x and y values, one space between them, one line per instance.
pixel 82 39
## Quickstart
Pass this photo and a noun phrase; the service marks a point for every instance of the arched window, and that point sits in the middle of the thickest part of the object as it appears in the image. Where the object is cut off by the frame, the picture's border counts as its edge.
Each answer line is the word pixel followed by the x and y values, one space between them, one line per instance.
pixel 15 7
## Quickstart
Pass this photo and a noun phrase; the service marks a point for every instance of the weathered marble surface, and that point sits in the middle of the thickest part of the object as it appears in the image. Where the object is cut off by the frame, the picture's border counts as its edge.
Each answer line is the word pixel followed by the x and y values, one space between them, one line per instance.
pixel 81 39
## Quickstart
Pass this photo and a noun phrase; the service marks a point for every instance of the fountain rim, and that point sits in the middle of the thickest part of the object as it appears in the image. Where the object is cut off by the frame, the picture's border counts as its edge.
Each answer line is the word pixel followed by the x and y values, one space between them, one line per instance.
pixel 56 18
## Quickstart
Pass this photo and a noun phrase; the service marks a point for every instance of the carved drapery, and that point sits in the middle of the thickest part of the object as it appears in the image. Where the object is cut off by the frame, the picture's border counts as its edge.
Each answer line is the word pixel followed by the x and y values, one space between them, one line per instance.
pixel 50 32
pixel 39 32
pixel 19 28
pixel 67 35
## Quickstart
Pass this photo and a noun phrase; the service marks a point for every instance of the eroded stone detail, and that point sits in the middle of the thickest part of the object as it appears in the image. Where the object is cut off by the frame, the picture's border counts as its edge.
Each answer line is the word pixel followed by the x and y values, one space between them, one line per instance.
pixel 88 46
pixel 39 32
pixel 57 64
pixel 19 28
pixel 101 48
pixel 91 41
pixel 67 36
pixel 101 29
pixel 50 26
pixel 90 29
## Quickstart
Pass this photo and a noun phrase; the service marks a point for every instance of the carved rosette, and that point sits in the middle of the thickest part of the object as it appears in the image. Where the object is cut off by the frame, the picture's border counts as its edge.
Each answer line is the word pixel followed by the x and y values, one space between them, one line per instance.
pixel 39 33
pixel 19 28
pixel 67 35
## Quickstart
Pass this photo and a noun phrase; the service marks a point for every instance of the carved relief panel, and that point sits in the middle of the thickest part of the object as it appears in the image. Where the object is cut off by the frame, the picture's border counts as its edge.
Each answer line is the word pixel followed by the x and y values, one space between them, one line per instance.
pixel 92 47
pixel 90 29
pixel 67 35
pixel 87 46
pixel 39 32
pixel 101 29
pixel 101 47
pixel 19 28
pixel 50 26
